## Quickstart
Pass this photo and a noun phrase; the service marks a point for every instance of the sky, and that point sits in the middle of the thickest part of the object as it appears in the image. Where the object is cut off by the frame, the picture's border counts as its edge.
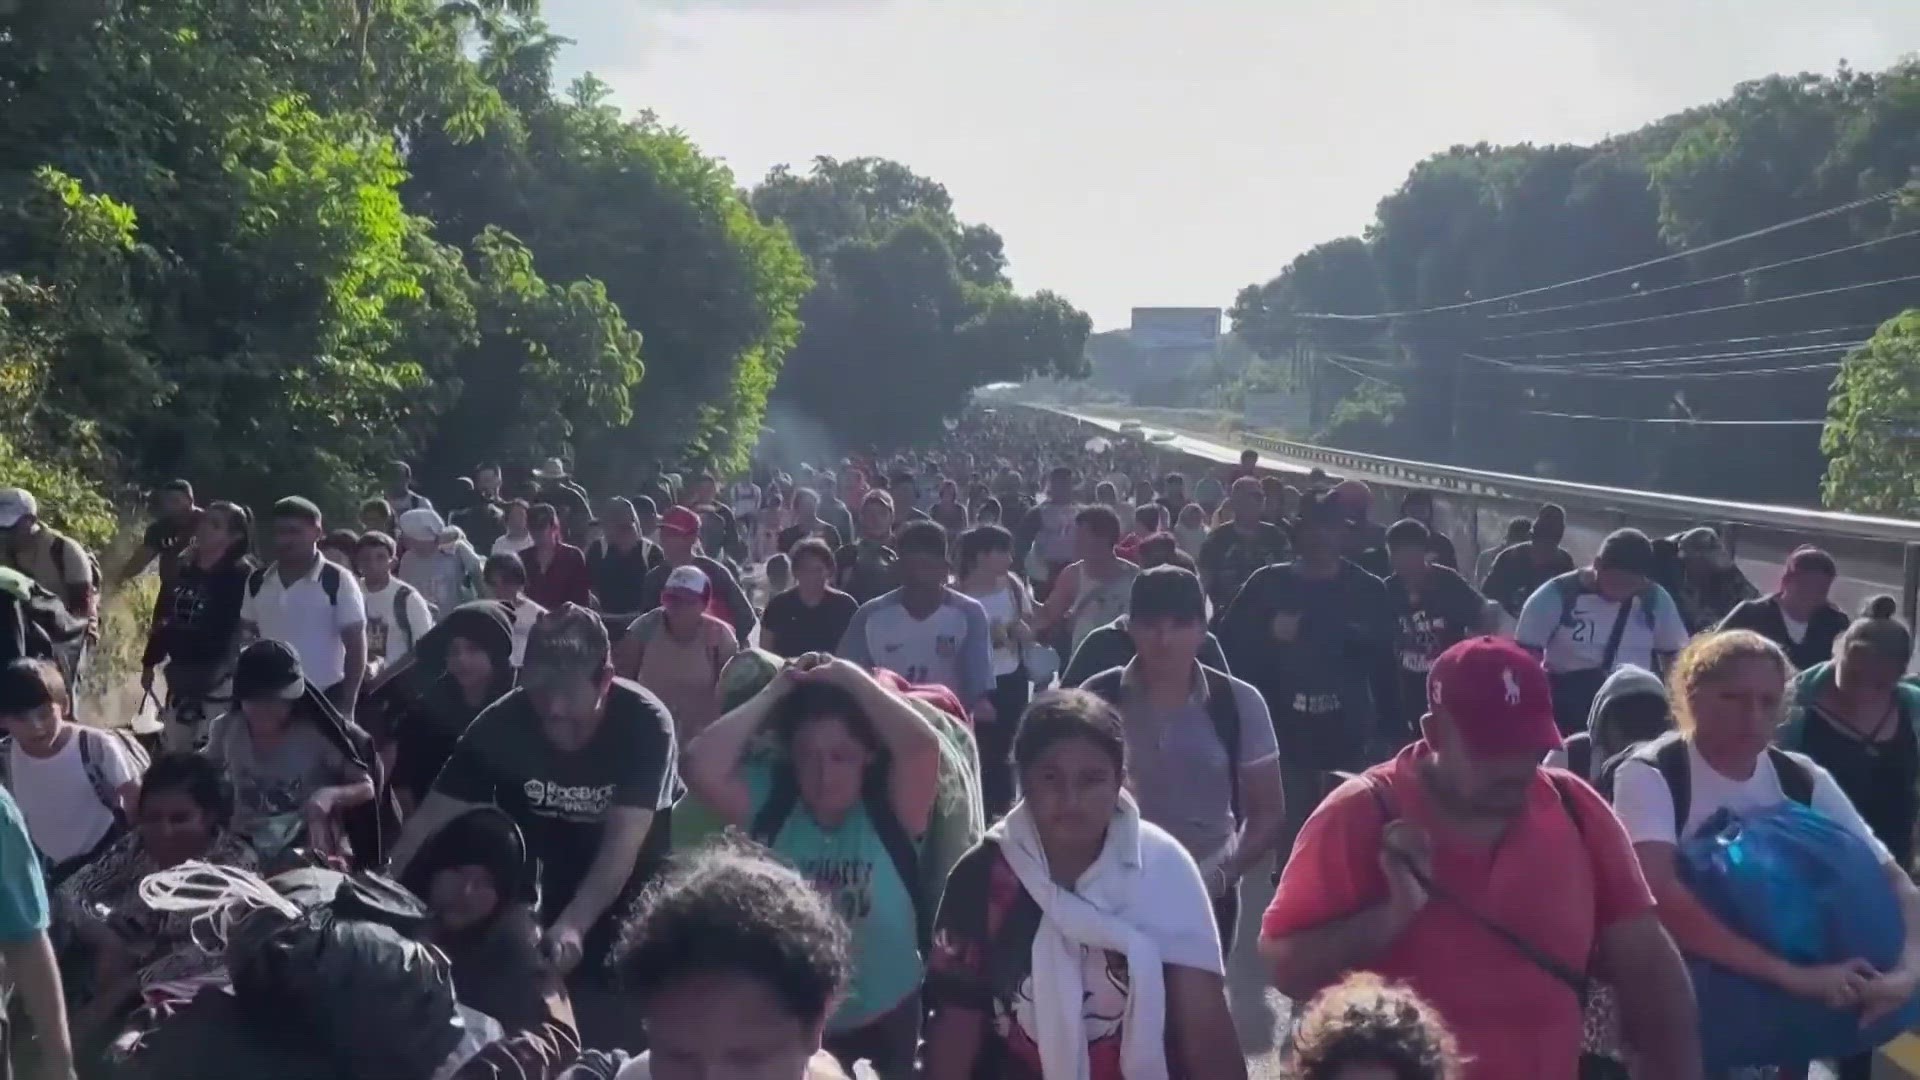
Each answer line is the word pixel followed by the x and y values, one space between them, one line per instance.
pixel 1171 152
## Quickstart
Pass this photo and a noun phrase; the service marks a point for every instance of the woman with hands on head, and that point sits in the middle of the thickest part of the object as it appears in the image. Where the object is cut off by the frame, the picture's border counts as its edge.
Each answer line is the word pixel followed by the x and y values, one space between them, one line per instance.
pixel 846 801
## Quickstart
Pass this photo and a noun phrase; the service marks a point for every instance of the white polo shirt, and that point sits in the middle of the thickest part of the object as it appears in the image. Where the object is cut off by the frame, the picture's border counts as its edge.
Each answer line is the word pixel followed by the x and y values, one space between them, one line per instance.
pixel 301 616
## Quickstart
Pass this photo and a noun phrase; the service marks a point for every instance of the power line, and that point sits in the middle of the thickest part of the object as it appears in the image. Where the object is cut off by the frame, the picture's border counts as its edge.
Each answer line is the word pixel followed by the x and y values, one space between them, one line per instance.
pixel 1737 373
pixel 1676 420
pixel 1716 279
pixel 1681 346
pixel 1710 310
pixel 1604 275
pixel 1358 373
pixel 1683 360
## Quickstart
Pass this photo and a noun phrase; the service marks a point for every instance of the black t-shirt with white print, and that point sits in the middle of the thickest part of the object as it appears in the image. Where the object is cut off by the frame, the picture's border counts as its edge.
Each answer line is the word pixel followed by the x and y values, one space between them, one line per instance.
pixel 560 799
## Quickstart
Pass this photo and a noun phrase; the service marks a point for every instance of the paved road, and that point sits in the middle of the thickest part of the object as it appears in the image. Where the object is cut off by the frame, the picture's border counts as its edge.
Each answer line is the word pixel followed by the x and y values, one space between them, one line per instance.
pixel 1868 569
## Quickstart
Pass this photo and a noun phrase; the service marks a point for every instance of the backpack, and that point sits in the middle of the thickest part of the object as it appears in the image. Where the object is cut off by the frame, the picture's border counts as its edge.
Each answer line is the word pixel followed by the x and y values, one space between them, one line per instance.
pixel 62 544
pixel 873 571
pixel 401 595
pixel 785 797
pixel 1668 754
pixel 1571 587
pixel 1222 708
pixel 40 619
pixel 329 580
pixel 95 745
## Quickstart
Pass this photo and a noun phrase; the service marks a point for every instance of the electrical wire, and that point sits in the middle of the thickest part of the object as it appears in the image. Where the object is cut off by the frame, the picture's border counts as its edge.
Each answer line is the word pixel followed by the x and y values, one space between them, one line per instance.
pixel 1905 279
pixel 1356 372
pixel 1676 420
pixel 1682 346
pixel 1716 279
pixel 1734 374
pixel 1689 360
pixel 1604 275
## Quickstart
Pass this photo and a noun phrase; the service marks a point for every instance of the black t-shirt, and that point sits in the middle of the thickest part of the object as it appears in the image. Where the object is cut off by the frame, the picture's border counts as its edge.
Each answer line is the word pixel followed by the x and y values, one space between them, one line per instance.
pixel 484 521
pixel 799 629
pixel 1326 687
pixel 868 569
pixel 1229 556
pixel 167 539
pixel 1446 611
pixel 620 578
pixel 559 799
pixel 1515 575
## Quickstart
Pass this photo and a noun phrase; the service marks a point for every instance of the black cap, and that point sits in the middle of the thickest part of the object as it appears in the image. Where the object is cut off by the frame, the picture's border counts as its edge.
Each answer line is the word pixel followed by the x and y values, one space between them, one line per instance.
pixel 293 506
pixel 1167 592
pixel 1408 531
pixel 268 669
pixel 569 641
pixel 1626 549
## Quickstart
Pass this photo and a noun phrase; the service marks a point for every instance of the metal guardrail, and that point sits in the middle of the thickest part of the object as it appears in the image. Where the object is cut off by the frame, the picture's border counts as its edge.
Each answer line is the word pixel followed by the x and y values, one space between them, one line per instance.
pixel 1507 485
pixel 1730 518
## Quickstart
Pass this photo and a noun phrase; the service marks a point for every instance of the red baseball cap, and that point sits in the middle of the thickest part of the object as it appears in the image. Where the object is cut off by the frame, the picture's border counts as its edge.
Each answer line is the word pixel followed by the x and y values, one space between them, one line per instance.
pixel 1496 695
pixel 680 521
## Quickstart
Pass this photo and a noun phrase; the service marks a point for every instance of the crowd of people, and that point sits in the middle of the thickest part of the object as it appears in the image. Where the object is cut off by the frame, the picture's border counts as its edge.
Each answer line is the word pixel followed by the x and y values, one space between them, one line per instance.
pixel 949 762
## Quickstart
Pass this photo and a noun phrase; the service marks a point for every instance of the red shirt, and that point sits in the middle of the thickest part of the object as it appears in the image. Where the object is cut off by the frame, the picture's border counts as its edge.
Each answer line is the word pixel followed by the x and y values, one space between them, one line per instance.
pixel 564 580
pixel 1552 882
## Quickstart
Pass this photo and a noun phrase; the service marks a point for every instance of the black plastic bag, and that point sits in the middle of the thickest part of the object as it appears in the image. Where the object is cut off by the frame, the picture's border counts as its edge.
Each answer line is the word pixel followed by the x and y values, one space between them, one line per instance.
pixel 209 1040
pixel 343 979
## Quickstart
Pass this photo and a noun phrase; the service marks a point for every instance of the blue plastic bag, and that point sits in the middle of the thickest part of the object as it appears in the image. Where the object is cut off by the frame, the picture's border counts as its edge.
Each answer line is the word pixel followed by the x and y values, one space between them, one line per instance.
pixel 1807 890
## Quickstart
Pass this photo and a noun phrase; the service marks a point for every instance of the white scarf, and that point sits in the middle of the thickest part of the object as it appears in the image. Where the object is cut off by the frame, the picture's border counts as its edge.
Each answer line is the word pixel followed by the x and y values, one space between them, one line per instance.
pixel 1095 914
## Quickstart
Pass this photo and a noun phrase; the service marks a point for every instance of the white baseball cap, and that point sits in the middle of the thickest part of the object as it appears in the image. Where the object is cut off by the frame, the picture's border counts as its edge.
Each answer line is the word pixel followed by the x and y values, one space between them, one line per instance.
pixel 688 579
pixel 16 503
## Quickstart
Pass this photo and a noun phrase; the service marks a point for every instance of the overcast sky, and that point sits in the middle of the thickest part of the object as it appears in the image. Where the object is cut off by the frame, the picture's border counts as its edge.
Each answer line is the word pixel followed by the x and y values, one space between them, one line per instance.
pixel 1168 152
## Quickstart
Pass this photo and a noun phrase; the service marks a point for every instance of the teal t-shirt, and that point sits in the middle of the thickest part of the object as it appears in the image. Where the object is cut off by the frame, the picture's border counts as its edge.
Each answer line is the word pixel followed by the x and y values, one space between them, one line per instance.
pixel 851 865
pixel 23 893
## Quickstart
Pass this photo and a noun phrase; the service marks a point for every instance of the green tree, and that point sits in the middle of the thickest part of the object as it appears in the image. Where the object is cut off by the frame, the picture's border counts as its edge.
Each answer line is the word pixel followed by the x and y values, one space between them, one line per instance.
pixel 911 306
pixel 636 207
pixel 1872 437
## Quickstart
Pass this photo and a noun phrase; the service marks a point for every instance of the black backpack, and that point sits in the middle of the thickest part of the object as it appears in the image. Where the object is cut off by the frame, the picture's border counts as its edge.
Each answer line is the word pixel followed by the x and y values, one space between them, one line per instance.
pixel 329 580
pixel 1222 708
pixel 785 797
pixel 1668 754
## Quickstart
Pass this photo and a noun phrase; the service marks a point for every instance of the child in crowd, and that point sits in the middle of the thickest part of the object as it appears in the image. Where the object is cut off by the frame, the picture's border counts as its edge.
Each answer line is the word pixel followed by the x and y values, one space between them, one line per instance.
pixel 1367 1029
pixel 75 784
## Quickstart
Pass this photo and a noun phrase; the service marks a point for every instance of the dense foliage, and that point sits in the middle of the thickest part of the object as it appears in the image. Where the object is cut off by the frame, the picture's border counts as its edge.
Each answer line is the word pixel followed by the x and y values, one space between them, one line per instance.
pixel 1873 425
pixel 270 244
pixel 1673 342
pixel 912 309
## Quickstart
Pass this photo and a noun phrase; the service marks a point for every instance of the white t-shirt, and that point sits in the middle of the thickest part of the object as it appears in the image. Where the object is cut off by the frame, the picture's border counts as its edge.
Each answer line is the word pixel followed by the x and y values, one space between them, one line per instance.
pixel 301 616
pixel 64 813
pixel 1645 806
pixel 1003 609
pixel 525 614
pixel 507 545
pixel 1796 629
pixel 1579 642
pixel 387 640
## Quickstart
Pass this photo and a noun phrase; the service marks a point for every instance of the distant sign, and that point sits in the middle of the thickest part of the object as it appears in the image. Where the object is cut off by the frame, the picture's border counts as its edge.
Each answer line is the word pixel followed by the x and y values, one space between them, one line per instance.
pixel 1196 325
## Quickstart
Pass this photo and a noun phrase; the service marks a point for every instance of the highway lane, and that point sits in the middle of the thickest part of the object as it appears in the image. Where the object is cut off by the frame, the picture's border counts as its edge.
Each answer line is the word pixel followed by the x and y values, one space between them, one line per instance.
pixel 1867 570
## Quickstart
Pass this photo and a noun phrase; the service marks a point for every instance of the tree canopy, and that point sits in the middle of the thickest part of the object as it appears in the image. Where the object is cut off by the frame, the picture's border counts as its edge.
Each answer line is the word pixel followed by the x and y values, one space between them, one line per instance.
pixel 270 245
pixel 911 309
pixel 1609 380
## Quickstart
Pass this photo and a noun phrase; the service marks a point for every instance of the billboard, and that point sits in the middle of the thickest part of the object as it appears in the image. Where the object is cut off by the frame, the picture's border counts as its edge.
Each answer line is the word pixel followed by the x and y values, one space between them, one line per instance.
pixel 1176 325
